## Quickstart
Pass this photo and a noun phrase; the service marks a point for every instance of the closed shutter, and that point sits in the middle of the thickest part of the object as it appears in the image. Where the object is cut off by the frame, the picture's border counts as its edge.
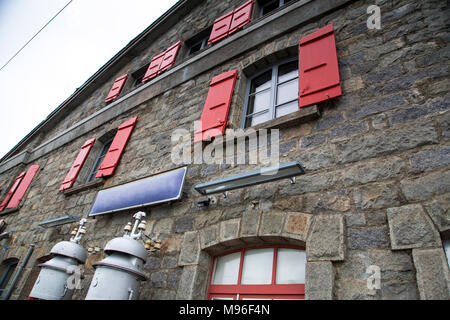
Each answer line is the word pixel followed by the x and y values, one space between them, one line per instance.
pixel 241 16
pixel 115 151
pixel 12 190
pixel 169 57
pixel 318 67
pixel 162 62
pixel 76 166
pixel 215 112
pixel 23 187
pixel 116 88
pixel 221 27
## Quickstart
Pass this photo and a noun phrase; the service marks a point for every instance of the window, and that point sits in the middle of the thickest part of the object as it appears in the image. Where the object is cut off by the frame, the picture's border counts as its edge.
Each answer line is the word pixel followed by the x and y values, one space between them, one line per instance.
pixel 446 244
pixel 272 94
pixel 6 270
pixel 266 272
pixel 99 159
pixel 198 42
pixel 266 6
pixel 139 75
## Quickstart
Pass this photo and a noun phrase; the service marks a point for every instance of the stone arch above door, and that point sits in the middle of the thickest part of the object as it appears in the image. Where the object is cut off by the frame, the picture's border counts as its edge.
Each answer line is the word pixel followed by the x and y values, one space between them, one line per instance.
pixel 255 228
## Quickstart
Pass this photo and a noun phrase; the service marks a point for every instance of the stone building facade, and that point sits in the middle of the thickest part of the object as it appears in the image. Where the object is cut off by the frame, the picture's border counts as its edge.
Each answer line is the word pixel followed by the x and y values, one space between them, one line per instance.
pixel 377 182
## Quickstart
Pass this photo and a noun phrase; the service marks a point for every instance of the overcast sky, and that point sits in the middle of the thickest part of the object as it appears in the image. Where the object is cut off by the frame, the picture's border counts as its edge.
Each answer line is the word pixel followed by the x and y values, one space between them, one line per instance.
pixel 81 39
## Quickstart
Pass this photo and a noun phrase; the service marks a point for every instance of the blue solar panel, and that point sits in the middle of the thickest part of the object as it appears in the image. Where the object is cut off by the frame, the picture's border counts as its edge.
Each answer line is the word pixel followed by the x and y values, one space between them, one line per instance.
pixel 160 188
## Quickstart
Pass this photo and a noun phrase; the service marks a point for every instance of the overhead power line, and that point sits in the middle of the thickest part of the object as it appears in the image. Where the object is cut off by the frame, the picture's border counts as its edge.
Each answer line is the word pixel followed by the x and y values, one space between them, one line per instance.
pixel 35 35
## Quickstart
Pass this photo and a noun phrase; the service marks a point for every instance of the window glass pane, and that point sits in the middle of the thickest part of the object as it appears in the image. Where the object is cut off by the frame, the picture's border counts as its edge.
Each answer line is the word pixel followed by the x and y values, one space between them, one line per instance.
pixel 259 102
pixel 288 71
pixel 226 269
pixel 270 7
pixel 196 47
pixel 262 82
pixel 447 250
pixel 99 160
pixel 290 266
pixel 257 268
pixel 257 119
pixel 287 91
pixel 286 109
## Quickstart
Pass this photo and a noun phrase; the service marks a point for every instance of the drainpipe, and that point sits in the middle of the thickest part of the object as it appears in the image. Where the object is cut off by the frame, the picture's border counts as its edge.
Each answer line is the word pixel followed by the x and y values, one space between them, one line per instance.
pixel 7 295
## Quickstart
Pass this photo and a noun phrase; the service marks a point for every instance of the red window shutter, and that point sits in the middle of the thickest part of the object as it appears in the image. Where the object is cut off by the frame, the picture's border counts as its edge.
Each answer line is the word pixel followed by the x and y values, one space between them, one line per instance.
pixel 169 57
pixel 116 88
pixel 162 62
pixel 115 151
pixel 221 27
pixel 318 67
pixel 76 166
pixel 23 187
pixel 241 16
pixel 215 112
pixel 154 66
pixel 12 191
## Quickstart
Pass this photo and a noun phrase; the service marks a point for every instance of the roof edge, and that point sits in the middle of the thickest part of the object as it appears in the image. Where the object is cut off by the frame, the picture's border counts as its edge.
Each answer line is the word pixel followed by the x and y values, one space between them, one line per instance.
pixel 178 7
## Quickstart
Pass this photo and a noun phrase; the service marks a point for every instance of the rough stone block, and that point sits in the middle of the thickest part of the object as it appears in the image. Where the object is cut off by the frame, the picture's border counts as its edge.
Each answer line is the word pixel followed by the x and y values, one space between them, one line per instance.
pixel 368 238
pixel 429 159
pixel 328 202
pixel 398 279
pixel 319 158
pixel 373 170
pixel 439 211
pixel 426 186
pixel 229 232
pixel 209 236
pixel 297 225
pixel 192 284
pixel 326 238
pixel 376 196
pixel 309 183
pixel 433 277
pixel 250 223
pixel 271 223
pixel 376 107
pixel 372 145
pixel 348 130
pixel 313 141
pixel 190 249
pixel 410 227
pixel 328 122
pixel 319 280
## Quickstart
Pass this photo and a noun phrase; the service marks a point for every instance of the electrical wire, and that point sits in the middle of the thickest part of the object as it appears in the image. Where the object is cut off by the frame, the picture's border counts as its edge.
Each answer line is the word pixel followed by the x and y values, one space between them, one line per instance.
pixel 35 35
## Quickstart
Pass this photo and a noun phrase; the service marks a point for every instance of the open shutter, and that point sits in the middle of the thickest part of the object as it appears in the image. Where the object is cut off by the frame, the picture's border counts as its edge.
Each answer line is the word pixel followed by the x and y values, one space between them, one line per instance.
pixel 76 166
pixel 221 27
pixel 154 66
pixel 162 62
pixel 116 88
pixel 241 16
pixel 12 191
pixel 115 151
pixel 215 112
pixel 169 57
pixel 318 67
pixel 231 22
pixel 23 187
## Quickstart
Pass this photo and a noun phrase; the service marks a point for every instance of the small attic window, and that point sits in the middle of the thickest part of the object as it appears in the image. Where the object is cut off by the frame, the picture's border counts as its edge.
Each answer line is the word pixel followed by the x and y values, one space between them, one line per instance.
pixel 138 75
pixel 266 6
pixel 198 42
